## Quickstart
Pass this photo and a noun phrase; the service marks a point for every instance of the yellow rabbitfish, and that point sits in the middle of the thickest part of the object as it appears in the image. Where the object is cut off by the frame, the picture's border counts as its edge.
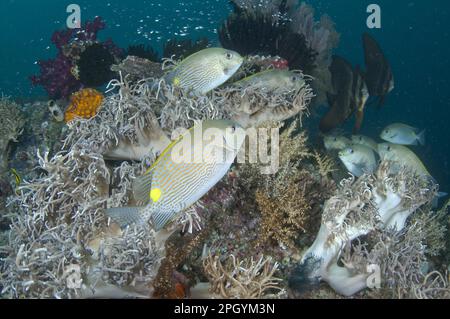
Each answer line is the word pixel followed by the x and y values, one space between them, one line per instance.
pixel 403 134
pixel 358 159
pixel 366 141
pixel 273 81
pixel 402 156
pixel 337 142
pixel 188 168
pixel 205 70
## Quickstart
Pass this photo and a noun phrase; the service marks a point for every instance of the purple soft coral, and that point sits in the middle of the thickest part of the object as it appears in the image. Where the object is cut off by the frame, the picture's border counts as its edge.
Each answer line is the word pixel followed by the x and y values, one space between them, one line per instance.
pixel 56 77
pixel 56 74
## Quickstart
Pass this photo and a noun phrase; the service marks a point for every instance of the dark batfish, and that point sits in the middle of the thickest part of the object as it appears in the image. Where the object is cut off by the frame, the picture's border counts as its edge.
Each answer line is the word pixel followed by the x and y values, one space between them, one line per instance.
pixel 379 77
pixel 341 100
pixel 360 96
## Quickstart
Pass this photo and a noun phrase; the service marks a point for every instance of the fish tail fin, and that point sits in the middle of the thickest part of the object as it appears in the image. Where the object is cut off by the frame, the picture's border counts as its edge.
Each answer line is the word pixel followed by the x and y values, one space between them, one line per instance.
pixel 442 194
pixel 125 216
pixel 435 201
pixel 421 137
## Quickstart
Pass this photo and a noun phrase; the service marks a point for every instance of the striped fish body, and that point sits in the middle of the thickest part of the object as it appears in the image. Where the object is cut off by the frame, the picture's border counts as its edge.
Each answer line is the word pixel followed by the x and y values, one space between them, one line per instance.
pixel 205 70
pixel 181 185
pixel 171 185
pixel 273 80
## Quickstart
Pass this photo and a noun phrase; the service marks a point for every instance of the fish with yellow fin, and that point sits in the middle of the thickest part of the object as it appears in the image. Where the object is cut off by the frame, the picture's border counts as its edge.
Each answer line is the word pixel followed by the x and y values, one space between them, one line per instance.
pixel 205 70
pixel 186 170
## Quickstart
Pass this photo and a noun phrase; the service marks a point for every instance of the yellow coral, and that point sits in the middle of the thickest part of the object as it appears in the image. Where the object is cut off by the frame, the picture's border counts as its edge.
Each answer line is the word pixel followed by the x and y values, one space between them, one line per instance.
pixel 284 217
pixel 325 164
pixel 84 103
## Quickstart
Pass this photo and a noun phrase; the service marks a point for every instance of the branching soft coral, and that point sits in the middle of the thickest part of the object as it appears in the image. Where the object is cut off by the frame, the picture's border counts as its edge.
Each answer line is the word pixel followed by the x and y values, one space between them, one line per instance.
pixel 252 107
pixel 11 127
pixel 289 199
pixel 236 278
pixel 371 203
pixel 283 216
pixel 67 230
pixel 59 225
pixel 325 164
pixel 126 126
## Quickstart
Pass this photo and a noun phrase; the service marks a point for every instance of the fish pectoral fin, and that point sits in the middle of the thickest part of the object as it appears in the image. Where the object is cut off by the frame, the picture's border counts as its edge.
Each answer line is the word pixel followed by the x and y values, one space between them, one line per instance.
pixel 358 170
pixel 125 216
pixel 141 188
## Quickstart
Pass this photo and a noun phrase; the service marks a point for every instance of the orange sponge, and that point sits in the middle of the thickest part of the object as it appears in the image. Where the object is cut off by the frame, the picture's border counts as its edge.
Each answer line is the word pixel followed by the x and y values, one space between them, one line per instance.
pixel 84 103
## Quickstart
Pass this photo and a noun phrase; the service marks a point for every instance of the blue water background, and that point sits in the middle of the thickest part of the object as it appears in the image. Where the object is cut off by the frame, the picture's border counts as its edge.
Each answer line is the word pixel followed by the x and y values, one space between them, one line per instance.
pixel 414 35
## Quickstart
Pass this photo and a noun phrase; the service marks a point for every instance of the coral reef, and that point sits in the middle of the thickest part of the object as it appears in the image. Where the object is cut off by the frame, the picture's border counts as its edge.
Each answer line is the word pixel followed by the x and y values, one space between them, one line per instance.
pixel 60 76
pixel 11 127
pixel 376 206
pixel 234 278
pixel 147 112
pixel 251 32
pixel 134 69
pixel 61 244
pixel 54 231
pixel 254 107
pixel 253 235
pixel 84 103
pixel 94 65
pixel 143 51
pixel 320 35
pixel 273 27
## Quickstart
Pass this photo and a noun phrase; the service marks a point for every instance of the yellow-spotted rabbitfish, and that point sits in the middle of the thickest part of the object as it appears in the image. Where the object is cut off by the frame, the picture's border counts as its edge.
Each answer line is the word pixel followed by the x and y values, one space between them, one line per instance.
pixel 358 159
pixel 365 140
pixel 337 142
pixel 402 156
pixel 403 134
pixel 188 168
pixel 273 81
pixel 205 70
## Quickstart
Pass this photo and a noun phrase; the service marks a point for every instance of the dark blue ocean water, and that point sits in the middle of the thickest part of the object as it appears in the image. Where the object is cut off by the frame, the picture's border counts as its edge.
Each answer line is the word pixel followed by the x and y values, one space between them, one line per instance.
pixel 414 36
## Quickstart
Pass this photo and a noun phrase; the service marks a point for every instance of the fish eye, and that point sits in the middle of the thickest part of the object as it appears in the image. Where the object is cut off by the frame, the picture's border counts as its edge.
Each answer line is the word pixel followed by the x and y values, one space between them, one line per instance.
pixel 233 129
pixel 229 55
pixel 351 151
pixel 388 148
pixel 294 78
